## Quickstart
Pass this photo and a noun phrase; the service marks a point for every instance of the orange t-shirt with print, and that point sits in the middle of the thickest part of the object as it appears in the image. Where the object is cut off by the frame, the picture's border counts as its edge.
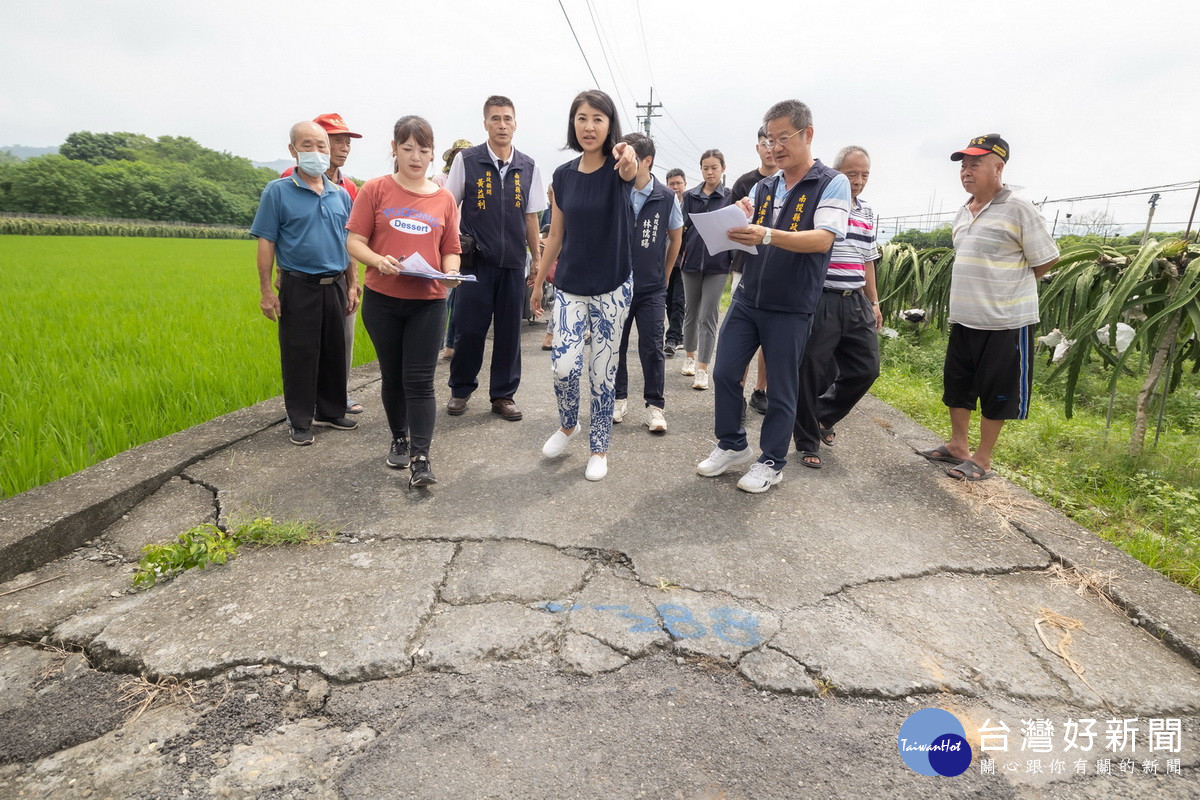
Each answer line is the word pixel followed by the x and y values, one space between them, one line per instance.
pixel 398 222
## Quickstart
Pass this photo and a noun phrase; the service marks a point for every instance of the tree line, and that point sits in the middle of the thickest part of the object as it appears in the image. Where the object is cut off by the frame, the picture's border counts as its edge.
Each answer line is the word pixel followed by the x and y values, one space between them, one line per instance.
pixel 131 176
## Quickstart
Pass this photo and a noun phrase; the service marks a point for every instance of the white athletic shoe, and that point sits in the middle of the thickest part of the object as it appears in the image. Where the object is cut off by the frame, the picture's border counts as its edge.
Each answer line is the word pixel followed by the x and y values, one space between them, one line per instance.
pixel 619 410
pixel 701 381
pixel 655 420
pixel 597 467
pixel 689 366
pixel 720 460
pixel 555 445
pixel 762 476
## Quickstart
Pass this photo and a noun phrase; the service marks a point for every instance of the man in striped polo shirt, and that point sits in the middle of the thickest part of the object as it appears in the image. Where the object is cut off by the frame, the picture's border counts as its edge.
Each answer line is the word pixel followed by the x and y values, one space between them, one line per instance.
pixel 841 360
pixel 1002 249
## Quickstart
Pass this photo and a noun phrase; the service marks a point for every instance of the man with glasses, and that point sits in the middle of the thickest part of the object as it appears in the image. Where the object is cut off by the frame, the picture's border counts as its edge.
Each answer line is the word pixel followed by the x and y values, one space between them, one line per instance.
pixel 795 219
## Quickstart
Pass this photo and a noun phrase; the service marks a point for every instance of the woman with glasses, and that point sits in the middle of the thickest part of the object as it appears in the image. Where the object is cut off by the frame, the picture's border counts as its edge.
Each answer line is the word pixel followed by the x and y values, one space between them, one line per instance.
pixel 704 275
pixel 590 237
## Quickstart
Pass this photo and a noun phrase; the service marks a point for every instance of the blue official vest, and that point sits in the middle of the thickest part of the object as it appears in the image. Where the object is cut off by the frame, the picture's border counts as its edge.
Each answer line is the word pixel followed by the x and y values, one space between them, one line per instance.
pixel 650 240
pixel 780 280
pixel 493 210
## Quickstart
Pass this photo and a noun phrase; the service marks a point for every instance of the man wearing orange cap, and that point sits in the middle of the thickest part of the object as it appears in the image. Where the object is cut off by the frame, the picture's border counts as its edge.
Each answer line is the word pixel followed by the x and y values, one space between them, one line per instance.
pixel 339 151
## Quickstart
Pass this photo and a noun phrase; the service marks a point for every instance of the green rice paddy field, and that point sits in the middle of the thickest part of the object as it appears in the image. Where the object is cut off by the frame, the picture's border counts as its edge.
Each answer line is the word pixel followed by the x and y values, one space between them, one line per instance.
pixel 113 342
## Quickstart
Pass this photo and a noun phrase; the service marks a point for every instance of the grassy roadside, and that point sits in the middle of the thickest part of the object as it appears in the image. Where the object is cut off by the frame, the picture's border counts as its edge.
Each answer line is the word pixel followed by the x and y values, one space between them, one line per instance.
pixel 1148 506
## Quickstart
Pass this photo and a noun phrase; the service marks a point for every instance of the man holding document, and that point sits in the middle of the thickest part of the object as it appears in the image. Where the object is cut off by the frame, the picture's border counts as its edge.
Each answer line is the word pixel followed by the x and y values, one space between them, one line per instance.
pixel 796 216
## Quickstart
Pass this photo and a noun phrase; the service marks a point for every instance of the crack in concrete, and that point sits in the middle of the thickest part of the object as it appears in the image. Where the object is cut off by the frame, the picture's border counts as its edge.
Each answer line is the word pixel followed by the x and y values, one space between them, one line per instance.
pixel 216 493
pixel 929 573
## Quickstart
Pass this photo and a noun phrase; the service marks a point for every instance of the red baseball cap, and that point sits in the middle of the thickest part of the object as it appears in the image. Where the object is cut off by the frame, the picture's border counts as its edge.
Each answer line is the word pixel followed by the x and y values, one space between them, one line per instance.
pixel 333 123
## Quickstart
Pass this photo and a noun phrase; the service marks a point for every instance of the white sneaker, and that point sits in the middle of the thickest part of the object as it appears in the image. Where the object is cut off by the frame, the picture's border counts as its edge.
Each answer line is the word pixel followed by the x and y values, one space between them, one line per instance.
pixel 720 460
pixel 597 467
pixel 701 381
pixel 557 443
pixel 619 410
pixel 762 476
pixel 689 366
pixel 655 420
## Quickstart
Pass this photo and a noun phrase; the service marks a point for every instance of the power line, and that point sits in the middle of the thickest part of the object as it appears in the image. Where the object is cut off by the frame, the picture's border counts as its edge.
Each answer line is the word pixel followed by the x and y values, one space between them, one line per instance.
pixel 577 44
pixel 604 50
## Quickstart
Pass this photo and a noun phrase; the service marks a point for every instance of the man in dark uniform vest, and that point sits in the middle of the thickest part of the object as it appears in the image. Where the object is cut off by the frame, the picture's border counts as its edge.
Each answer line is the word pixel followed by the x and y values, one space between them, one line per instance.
pixel 500 192
pixel 796 217
pixel 657 237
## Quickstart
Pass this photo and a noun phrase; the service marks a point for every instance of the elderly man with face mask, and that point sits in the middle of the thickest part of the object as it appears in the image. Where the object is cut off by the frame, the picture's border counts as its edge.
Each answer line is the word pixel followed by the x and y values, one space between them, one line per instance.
pixel 301 227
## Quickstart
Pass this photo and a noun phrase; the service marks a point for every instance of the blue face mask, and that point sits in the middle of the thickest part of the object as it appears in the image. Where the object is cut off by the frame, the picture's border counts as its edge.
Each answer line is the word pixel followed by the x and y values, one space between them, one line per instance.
pixel 312 162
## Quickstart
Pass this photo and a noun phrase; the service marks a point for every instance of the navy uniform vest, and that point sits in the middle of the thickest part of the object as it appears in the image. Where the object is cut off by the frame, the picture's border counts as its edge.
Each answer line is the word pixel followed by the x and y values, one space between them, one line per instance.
pixel 493 210
pixel 780 280
pixel 650 240
pixel 696 257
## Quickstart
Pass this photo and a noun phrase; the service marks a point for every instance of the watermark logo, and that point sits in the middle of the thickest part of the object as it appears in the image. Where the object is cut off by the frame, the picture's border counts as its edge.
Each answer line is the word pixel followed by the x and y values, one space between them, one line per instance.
pixel 933 742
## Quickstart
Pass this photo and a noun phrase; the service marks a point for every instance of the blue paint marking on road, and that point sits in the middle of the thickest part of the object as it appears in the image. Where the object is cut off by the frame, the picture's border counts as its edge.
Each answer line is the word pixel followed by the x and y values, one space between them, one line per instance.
pixel 733 626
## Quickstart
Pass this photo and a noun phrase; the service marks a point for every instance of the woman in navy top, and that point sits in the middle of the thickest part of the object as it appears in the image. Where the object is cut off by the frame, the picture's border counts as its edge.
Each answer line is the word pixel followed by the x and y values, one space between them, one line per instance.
pixel 591 237
pixel 704 275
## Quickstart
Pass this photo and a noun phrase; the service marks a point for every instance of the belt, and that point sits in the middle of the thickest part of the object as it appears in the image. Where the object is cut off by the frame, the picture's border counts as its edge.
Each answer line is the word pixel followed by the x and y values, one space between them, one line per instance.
pixel 324 278
pixel 842 292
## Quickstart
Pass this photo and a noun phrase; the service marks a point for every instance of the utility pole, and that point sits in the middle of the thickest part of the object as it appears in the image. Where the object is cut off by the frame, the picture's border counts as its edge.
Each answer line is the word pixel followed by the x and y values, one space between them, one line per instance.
pixel 1153 202
pixel 650 106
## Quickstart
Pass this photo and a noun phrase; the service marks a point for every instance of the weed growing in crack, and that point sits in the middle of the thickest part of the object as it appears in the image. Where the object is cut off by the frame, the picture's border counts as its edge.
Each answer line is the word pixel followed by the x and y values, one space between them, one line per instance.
pixel 141 694
pixel 666 584
pixel 207 544
pixel 825 687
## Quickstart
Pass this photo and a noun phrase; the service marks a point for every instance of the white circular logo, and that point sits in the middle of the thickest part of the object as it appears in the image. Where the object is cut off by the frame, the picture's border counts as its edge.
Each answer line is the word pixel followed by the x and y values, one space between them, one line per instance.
pixel 410 225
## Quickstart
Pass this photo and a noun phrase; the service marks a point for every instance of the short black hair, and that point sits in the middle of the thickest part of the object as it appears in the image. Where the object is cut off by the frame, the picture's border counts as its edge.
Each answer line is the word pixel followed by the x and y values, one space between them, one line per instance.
pixel 676 173
pixel 642 144
pixel 797 113
pixel 498 100
pixel 604 104
pixel 762 132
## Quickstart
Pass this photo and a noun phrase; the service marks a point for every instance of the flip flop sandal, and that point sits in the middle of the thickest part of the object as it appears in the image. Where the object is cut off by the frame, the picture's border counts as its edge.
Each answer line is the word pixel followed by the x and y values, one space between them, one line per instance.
pixel 805 454
pixel 941 453
pixel 969 471
pixel 827 435
pixel 354 407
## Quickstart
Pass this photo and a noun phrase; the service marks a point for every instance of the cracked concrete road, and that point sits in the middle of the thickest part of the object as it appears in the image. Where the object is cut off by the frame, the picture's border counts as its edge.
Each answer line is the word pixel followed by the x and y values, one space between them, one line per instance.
pixel 517 631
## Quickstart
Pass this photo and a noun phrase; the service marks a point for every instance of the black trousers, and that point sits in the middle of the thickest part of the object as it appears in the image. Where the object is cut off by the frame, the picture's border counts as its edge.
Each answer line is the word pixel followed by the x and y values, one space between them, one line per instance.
pixel 496 301
pixel 675 308
pixel 407 335
pixel 312 347
pixel 648 311
pixel 844 343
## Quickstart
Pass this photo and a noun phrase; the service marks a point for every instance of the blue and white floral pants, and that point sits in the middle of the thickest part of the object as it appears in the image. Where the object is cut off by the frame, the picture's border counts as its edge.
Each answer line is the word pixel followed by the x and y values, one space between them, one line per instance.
pixel 576 315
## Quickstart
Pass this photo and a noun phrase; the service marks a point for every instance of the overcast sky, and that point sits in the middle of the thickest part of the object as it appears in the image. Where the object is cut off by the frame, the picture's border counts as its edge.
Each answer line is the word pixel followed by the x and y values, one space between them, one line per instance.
pixel 1091 98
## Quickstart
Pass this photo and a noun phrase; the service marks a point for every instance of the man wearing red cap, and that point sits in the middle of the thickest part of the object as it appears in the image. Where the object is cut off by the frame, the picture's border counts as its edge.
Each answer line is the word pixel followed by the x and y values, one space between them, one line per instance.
pixel 339 151
pixel 1001 250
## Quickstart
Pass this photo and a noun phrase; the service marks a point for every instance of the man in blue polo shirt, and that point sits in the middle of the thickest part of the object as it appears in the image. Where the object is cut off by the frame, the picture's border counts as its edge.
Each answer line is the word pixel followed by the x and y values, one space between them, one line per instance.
pixel 301 226
pixel 796 218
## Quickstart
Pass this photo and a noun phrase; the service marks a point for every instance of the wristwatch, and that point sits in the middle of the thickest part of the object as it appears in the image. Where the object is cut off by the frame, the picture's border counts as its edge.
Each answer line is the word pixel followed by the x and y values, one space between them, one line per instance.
pixel 767 237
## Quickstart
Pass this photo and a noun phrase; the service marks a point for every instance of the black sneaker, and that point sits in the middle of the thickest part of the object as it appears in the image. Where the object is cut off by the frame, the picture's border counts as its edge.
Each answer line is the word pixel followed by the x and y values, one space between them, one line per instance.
pixel 758 401
pixel 341 423
pixel 422 474
pixel 669 350
pixel 300 436
pixel 397 457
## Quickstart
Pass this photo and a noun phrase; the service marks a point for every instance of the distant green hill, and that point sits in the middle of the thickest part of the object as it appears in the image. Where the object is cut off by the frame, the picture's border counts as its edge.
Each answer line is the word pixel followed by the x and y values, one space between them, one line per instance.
pixel 131 176
pixel 22 152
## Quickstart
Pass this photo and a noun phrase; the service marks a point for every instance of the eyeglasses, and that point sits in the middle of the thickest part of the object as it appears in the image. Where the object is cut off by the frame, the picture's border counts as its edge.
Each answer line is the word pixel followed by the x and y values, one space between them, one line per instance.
pixel 782 140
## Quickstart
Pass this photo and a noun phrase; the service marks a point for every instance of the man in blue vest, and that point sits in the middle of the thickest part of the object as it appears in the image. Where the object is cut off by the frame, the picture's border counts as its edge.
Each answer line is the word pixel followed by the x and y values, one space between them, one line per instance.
pixel 301 227
pixel 796 217
pixel 500 192
pixel 657 237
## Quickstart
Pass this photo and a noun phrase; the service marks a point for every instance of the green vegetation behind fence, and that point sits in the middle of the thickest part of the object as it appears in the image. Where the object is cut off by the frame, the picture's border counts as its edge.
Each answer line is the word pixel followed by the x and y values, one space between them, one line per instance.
pixel 114 342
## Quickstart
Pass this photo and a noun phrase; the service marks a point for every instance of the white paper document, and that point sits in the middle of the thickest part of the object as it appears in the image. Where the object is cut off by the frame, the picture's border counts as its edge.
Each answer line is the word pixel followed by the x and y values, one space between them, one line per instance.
pixel 714 225
pixel 415 266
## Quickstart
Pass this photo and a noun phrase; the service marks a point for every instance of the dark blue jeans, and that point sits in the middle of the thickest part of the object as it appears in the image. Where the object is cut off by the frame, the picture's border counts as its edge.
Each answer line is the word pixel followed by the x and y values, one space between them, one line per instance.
pixel 648 310
pixel 782 336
